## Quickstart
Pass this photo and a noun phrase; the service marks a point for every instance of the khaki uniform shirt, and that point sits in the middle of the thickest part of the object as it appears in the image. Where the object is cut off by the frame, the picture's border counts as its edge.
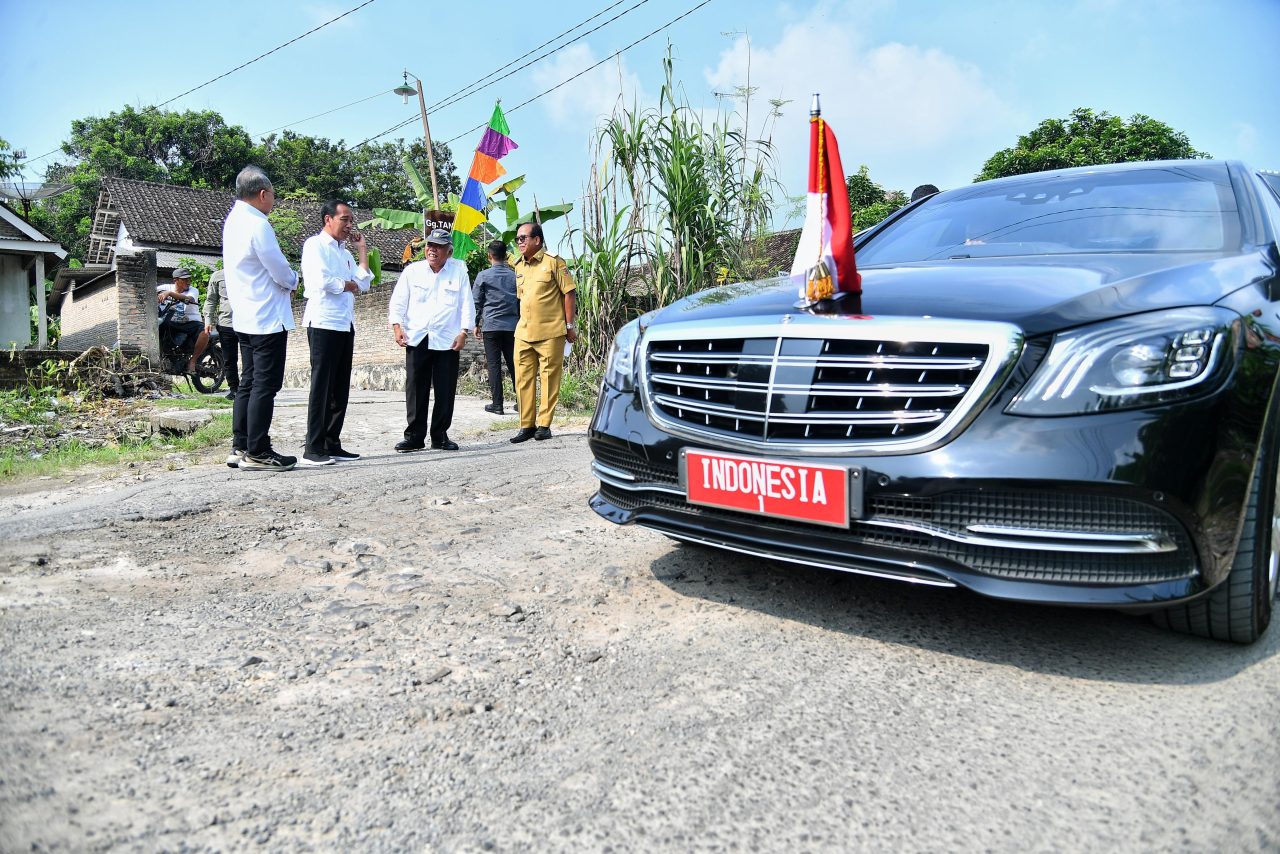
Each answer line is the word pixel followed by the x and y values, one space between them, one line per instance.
pixel 540 286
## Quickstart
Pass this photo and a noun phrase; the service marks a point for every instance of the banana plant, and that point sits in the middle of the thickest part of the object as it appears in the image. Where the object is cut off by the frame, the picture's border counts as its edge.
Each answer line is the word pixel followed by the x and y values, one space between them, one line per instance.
pixel 510 206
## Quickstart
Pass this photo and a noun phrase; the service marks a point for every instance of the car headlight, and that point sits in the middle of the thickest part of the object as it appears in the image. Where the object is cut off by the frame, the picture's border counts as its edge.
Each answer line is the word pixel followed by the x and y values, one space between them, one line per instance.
pixel 621 368
pixel 1134 361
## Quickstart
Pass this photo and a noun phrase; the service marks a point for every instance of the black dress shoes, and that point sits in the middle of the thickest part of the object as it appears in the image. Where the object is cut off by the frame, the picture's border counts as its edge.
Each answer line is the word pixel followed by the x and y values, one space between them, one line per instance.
pixel 542 433
pixel 525 434
pixel 445 444
pixel 495 408
pixel 407 446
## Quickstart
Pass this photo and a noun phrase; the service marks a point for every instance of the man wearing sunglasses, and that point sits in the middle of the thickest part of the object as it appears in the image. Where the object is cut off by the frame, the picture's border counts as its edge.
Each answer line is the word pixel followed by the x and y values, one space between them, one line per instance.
pixel 431 313
pixel 548 306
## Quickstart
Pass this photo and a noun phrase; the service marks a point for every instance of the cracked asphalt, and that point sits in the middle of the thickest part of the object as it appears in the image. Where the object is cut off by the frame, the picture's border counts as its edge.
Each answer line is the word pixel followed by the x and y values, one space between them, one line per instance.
pixel 450 652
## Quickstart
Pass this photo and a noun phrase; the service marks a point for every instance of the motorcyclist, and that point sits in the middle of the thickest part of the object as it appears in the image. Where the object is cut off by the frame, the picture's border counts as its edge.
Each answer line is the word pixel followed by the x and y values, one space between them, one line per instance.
pixel 185 323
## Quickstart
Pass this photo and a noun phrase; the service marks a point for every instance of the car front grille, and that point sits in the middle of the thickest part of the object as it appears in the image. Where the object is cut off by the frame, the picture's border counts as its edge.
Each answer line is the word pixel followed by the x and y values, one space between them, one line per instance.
pixel 822 386
pixel 929 525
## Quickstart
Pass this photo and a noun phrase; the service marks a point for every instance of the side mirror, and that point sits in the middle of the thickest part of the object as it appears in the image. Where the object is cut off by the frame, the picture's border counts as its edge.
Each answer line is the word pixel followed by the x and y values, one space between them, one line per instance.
pixel 1273 287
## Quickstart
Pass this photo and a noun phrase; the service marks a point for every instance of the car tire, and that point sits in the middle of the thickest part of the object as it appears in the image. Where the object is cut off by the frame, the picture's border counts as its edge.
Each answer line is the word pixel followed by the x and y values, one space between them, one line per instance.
pixel 1239 609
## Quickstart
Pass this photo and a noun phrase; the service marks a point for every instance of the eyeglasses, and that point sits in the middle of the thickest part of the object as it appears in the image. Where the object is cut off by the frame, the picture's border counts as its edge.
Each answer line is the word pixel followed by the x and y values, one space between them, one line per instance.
pixel 521 238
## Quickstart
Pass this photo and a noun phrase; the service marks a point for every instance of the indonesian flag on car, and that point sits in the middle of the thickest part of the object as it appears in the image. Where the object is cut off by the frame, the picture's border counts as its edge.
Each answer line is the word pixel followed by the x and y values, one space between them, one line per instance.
pixel 824 259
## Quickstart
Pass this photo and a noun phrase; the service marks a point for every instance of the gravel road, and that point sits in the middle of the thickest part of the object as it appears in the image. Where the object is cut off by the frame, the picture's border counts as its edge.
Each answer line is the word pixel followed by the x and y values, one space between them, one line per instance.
pixel 450 652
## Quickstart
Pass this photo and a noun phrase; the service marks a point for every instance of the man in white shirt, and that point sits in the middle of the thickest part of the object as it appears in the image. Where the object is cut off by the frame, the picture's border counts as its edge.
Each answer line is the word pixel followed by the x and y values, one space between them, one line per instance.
pixel 331 279
pixel 260 284
pixel 185 320
pixel 431 313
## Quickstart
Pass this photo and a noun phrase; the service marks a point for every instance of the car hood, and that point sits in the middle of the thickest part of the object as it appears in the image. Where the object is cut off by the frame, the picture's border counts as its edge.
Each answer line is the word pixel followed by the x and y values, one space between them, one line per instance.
pixel 1039 294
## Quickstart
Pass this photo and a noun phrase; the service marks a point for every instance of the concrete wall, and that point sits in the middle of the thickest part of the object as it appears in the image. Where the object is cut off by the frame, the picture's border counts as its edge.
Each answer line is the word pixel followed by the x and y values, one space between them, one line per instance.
pixel 378 362
pixel 15 302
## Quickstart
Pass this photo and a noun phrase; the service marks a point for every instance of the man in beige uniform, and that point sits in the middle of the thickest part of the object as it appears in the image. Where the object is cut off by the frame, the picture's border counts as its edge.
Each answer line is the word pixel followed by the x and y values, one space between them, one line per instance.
pixel 548 306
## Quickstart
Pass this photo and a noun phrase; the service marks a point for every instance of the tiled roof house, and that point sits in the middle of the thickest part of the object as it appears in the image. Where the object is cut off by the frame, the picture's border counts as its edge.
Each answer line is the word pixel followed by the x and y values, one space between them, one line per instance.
pixel 187 222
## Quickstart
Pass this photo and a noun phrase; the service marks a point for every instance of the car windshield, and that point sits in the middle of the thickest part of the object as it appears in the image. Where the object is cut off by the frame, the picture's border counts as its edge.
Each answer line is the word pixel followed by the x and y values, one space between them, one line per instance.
pixel 1178 208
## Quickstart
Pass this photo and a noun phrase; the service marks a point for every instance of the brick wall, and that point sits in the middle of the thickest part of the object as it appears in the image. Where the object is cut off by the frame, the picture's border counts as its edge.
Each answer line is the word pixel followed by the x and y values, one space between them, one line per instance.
pixel 120 313
pixel 90 318
pixel 378 362
pixel 14 365
pixel 136 284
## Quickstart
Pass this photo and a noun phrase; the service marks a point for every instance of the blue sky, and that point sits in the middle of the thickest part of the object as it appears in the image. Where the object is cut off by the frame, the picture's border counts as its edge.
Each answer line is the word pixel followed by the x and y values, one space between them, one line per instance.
pixel 919 90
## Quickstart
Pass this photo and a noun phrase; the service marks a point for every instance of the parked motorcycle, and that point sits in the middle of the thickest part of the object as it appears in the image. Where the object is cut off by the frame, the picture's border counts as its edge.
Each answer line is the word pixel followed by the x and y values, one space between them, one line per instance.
pixel 210 367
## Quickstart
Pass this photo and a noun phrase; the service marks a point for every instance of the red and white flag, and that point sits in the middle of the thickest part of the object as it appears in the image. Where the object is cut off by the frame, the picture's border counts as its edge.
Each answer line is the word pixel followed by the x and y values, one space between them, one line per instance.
pixel 824 259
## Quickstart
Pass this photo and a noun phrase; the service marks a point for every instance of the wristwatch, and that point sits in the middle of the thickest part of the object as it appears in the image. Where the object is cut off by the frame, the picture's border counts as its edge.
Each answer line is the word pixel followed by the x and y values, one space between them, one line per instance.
pixel 568 324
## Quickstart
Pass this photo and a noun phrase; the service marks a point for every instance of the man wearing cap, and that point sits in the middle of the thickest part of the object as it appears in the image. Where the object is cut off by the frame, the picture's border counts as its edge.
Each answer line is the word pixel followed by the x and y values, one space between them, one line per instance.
pixel 185 323
pixel 431 313
pixel 332 278
pixel 548 305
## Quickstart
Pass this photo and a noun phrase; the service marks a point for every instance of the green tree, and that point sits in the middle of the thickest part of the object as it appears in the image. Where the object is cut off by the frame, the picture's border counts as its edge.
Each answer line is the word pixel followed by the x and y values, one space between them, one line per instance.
pixel 192 148
pixel 9 159
pixel 198 149
pixel 310 163
pixel 381 182
pixel 868 201
pixel 1087 138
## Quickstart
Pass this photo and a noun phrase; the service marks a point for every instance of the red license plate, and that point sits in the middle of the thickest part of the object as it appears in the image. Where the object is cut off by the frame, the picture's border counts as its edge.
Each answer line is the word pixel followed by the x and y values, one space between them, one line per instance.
pixel 782 488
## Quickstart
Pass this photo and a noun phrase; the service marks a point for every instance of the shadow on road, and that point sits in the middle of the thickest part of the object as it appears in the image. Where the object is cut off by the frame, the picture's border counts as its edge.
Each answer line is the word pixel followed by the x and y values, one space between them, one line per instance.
pixel 1098 645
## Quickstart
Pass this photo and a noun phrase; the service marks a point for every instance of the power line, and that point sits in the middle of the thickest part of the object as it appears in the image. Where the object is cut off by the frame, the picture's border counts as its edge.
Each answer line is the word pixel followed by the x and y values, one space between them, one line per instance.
pixel 41 157
pixel 263 56
pixel 325 113
pixel 459 94
pixel 237 68
pixel 585 70
pixel 462 93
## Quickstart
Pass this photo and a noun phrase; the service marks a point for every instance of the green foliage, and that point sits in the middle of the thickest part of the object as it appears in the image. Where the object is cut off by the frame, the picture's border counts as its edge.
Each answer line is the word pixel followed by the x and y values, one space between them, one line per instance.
pixel 192 148
pixel 381 181
pixel 19 462
pixel 9 159
pixel 869 202
pixel 392 219
pixel 198 149
pixel 288 221
pixel 1088 139
pixel 375 265
pixel 673 204
pixel 306 163
pixel 200 274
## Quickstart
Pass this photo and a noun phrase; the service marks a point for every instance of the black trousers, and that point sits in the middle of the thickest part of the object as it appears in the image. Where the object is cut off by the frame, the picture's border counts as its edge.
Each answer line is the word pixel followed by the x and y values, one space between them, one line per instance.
pixel 499 346
pixel 426 370
pixel 262 358
pixel 230 355
pixel 330 387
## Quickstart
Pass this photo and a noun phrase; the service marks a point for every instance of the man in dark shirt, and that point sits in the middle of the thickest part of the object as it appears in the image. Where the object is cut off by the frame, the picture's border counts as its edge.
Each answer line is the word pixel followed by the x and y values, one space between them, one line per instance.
pixel 497 311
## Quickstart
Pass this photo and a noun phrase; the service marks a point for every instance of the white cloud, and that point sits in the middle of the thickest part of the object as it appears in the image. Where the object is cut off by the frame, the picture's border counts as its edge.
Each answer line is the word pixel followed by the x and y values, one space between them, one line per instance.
pixel 578 106
pixel 912 114
pixel 1246 138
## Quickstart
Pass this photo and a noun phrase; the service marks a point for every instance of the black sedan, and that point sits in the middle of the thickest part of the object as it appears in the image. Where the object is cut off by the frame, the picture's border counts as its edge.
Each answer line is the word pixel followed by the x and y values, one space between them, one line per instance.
pixel 1057 388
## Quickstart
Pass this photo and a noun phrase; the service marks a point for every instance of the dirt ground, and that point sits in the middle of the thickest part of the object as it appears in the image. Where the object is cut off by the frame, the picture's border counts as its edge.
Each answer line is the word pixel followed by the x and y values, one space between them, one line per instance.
pixel 451 652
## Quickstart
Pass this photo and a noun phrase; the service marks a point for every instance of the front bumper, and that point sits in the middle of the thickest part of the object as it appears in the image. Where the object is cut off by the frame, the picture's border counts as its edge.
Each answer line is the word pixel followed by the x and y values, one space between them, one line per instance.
pixel 1137 490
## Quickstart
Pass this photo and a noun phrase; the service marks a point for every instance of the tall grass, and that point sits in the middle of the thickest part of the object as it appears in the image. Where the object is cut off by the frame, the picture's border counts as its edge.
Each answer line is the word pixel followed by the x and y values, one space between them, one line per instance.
pixel 673 202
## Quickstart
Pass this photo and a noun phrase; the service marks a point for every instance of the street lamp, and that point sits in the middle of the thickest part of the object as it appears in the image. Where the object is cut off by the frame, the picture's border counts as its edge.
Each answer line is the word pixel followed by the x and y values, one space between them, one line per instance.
pixel 404 91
